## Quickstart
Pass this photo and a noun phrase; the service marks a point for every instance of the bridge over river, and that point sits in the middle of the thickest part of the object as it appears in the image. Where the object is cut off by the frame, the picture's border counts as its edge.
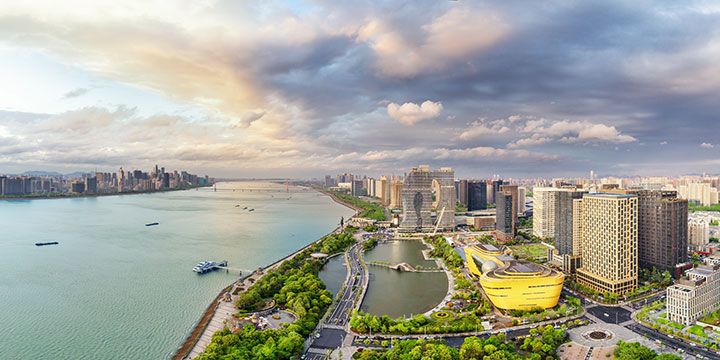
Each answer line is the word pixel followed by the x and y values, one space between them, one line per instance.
pixel 403 267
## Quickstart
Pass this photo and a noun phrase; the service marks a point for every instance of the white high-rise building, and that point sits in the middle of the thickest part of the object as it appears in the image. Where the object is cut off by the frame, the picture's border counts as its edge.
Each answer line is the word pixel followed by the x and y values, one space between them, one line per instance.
pixel 698 233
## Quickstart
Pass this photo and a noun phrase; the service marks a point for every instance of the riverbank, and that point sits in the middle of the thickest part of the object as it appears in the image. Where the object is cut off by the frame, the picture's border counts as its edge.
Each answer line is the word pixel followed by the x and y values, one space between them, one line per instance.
pixel 358 210
pixel 199 331
pixel 72 196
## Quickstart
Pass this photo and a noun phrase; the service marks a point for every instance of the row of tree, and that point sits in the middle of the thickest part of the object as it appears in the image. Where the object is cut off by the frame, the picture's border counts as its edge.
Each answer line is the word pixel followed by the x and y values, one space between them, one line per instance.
pixel 443 250
pixel 635 351
pixel 541 346
pixel 418 324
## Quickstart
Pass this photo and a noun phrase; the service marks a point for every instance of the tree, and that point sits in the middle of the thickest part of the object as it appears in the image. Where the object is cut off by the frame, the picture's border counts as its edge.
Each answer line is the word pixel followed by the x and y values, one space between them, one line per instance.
pixel 633 351
pixel 667 357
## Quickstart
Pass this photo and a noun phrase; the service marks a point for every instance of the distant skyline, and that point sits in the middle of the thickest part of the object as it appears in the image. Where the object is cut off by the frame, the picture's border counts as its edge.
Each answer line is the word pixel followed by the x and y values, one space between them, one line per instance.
pixel 306 88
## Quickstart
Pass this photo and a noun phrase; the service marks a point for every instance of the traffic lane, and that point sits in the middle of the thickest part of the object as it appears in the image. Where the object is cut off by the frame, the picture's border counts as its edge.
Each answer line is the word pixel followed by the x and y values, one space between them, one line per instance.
pixel 674 342
pixel 329 339
pixel 609 314
pixel 313 356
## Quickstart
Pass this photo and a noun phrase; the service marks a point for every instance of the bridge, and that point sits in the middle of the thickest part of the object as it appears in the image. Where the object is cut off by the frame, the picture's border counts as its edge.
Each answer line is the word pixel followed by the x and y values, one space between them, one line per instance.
pixel 403 267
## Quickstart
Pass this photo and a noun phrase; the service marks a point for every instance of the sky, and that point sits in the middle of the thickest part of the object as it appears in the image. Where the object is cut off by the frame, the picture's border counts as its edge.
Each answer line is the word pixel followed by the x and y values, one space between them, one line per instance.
pixel 306 88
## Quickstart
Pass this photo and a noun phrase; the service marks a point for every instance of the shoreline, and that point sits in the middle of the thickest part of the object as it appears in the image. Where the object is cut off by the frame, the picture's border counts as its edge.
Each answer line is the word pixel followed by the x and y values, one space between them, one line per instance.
pixel 195 334
pixel 50 197
pixel 337 200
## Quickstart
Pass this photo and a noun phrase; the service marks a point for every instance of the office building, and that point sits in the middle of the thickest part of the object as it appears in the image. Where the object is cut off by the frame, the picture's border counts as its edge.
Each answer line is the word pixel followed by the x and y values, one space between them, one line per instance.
pixel 512 284
pixel 417 200
pixel 505 217
pixel 356 188
pixel 521 201
pixel 77 187
pixel 609 242
pixel 476 196
pixel 662 230
pixel 553 215
pixel 695 295
pixel 495 184
pixel 462 192
pixel 490 193
pixel 91 185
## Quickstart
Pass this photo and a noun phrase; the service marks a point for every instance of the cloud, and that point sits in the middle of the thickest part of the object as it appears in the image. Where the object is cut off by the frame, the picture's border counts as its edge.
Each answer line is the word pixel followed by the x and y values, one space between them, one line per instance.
pixel 448 38
pixel 410 113
pixel 663 143
pixel 75 93
pixel 576 131
pixel 535 139
pixel 483 127
pixel 707 145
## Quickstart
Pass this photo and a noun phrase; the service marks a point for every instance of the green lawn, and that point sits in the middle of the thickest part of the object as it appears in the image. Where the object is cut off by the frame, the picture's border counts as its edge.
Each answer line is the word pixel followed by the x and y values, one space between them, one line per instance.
pixel 663 315
pixel 662 321
pixel 697 330
pixel 677 326
pixel 711 318
pixel 532 250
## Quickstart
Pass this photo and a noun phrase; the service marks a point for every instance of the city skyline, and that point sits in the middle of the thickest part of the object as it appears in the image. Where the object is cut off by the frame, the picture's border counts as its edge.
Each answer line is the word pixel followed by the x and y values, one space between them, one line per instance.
pixel 299 89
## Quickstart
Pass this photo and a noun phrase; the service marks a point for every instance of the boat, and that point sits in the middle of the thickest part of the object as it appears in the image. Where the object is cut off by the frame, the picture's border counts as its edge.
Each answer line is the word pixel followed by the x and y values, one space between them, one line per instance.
pixel 237 205
pixel 46 243
pixel 152 224
pixel 245 208
pixel 204 266
pixel 251 210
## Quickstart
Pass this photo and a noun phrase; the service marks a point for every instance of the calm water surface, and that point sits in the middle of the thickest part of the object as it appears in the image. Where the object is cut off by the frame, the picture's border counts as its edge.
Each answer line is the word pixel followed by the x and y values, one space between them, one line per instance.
pixel 395 293
pixel 115 288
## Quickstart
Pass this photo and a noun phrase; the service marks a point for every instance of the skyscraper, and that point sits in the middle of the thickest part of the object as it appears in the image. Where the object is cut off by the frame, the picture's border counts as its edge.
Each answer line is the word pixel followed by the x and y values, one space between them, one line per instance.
pixel 553 215
pixel 417 199
pixel 462 192
pixel 662 230
pixel 609 242
pixel 476 196
pixel 505 217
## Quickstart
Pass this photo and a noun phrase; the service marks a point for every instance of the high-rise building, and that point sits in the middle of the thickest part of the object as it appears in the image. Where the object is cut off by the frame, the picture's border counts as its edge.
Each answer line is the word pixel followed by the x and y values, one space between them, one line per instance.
pixel 356 188
pixel 505 217
pixel 496 184
pixel 662 230
pixel 553 215
pixel 91 185
pixel 395 190
pixel 476 196
pixel 490 193
pixel 77 187
pixel 698 234
pixel 463 192
pixel 609 242
pixel 417 199
pixel 521 201
pixel 329 181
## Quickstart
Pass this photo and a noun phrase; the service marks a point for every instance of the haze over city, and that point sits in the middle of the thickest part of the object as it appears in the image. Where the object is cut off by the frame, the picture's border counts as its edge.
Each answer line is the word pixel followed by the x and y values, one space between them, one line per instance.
pixel 299 89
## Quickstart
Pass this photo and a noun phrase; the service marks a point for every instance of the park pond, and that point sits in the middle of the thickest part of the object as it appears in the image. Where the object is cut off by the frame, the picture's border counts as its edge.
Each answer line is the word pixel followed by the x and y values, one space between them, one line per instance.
pixel 397 293
pixel 333 273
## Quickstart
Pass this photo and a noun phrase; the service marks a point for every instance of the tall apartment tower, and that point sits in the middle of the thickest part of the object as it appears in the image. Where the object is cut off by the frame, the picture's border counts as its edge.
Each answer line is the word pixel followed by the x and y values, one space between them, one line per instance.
pixel 553 215
pixel 698 234
pixel 506 214
pixel 662 230
pixel 609 242
pixel 512 190
pixel 477 196
pixel 395 190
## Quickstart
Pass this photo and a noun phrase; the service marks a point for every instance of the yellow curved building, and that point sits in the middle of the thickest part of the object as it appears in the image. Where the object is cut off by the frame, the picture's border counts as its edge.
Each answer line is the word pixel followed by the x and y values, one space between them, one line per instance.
pixel 513 284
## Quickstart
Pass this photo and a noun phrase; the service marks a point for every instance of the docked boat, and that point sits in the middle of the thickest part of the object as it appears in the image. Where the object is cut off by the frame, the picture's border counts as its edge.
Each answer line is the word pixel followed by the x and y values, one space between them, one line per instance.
pixel 46 243
pixel 251 210
pixel 204 266
pixel 152 224
pixel 245 208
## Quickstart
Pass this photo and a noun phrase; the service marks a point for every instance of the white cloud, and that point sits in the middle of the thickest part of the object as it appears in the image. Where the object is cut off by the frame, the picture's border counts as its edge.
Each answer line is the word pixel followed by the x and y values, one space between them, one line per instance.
pixel 577 131
pixel 663 143
pixel 484 127
pixel 707 145
pixel 535 139
pixel 452 36
pixel 410 113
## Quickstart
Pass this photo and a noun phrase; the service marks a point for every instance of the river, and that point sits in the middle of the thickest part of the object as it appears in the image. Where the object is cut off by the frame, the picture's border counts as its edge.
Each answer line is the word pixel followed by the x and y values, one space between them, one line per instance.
pixel 116 289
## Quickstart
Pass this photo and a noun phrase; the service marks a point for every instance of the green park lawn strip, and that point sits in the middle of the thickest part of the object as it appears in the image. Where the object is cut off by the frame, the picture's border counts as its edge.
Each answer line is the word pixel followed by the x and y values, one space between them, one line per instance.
pixel 663 315
pixel 697 330
pixel 662 321
pixel 535 250
pixel 677 326
pixel 711 318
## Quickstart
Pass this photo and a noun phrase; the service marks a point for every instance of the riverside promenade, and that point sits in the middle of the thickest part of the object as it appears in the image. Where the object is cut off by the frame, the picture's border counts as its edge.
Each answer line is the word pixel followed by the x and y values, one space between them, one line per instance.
pixel 220 311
